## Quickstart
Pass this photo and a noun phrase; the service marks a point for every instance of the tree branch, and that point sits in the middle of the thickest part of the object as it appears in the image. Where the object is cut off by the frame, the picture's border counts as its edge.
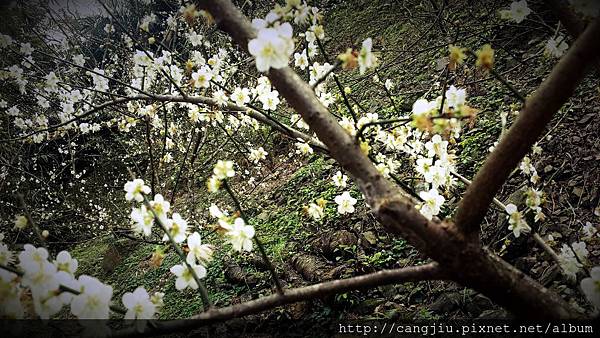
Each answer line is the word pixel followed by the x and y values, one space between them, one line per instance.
pixel 429 271
pixel 537 112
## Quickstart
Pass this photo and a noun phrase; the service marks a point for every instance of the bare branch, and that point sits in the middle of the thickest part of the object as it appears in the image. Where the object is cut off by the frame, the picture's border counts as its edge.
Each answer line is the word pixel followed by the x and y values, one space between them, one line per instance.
pixel 429 271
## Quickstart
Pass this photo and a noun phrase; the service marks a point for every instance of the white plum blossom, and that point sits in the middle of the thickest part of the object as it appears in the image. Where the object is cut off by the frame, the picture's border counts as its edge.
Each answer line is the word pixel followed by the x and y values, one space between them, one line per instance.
pixel 134 190
pixel 421 107
pixel 591 287
pixel 213 184
pixel 185 277
pixel 138 304
pixel 195 38
pixel 198 251
pixel 143 220
pixel 160 207
pixel 315 211
pixel 516 222
pixel 146 21
pixel 366 58
pixel 239 234
pixel 221 97
pixel 297 120
pixel 437 146
pixel 303 148
pixel 432 203
pixel 202 77
pixel 79 60
pixel 518 11
pixel 301 60
pixel 177 227
pixel 345 203
pixel 5 40
pixel 10 300
pixel 556 47
pixel 6 256
pixel 257 155
pixel 64 262
pixel 580 250
pixel 456 97
pixel 388 84
pixel 272 47
pixel 215 212
pixel 270 100
pixel 339 179
pixel 47 303
pixel 94 300
pixel 158 299
pixel 21 222
pixel 223 169
pixel 99 79
pixel 240 96
pixel 569 263
pixel 26 48
pixel 32 258
pixel 589 230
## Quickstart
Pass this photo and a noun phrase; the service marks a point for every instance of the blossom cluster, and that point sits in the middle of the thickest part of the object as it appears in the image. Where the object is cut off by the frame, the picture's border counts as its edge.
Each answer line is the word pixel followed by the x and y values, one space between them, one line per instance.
pixel 176 230
pixel 53 285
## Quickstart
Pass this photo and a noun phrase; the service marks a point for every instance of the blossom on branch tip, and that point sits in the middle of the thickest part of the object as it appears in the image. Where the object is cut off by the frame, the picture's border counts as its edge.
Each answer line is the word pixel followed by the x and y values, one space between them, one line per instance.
pixel 213 184
pixel 556 47
pixel 64 262
pixel 160 207
pixel 134 190
pixel 143 220
pixel 177 227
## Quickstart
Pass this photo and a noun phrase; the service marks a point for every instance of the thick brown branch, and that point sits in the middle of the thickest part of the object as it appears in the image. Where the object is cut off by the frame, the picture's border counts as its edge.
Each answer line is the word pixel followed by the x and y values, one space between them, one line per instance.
pixel 528 127
pixel 429 271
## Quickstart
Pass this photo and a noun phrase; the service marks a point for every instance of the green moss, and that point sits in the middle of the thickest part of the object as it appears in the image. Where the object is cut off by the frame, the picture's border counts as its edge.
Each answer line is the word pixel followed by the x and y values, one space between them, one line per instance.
pixel 89 254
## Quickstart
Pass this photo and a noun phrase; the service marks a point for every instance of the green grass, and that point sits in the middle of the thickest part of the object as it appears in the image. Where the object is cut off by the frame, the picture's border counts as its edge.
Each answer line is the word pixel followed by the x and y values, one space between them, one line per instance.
pixel 89 255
